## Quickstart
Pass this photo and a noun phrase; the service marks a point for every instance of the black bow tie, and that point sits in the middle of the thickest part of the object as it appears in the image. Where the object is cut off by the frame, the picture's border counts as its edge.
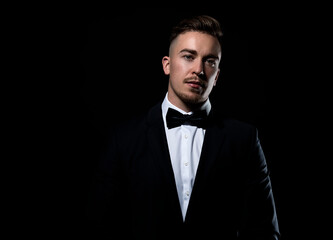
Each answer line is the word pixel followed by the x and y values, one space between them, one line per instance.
pixel 176 119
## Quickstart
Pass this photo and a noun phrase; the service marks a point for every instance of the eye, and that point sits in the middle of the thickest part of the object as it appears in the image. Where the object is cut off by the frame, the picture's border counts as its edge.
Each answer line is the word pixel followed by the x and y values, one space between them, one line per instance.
pixel 211 62
pixel 188 57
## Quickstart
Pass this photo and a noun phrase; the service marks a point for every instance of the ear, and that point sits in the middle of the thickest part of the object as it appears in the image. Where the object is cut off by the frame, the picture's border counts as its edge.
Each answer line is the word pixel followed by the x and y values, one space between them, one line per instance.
pixel 166 65
pixel 216 77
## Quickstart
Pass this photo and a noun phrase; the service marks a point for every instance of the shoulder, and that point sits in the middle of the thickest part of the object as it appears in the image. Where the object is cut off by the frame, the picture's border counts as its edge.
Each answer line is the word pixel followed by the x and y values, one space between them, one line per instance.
pixel 137 124
pixel 236 126
pixel 232 130
pixel 232 125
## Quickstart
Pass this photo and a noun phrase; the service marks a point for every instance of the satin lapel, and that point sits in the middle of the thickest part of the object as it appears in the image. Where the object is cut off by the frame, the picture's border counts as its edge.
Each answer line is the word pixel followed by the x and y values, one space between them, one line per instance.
pixel 211 148
pixel 159 148
pixel 160 151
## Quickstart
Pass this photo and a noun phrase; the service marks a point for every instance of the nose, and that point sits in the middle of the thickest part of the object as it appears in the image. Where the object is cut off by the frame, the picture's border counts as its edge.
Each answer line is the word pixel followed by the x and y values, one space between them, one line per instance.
pixel 198 68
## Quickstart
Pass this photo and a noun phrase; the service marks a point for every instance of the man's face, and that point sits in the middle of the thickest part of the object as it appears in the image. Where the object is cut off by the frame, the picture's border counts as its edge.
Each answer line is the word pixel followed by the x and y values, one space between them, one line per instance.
pixel 192 66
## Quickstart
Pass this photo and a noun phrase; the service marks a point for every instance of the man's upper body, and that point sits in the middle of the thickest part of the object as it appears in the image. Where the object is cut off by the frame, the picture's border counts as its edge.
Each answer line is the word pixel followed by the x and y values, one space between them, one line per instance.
pixel 137 194
pixel 164 181
pixel 185 145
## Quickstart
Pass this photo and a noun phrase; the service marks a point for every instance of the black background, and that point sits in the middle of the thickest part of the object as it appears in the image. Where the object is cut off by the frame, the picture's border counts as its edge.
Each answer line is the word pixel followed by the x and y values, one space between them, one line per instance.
pixel 97 62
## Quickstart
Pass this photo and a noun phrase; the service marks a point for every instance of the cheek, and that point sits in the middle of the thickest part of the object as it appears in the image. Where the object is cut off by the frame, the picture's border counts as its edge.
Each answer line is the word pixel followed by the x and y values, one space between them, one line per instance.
pixel 178 70
pixel 176 66
pixel 211 74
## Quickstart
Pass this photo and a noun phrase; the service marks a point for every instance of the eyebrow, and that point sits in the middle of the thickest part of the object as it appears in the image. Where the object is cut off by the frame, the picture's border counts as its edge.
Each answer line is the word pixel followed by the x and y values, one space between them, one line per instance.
pixel 189 51
pixel 194 52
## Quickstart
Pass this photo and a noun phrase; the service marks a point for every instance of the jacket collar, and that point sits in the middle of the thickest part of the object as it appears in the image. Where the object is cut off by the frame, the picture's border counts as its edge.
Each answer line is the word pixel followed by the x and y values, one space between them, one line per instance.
pixel 213 140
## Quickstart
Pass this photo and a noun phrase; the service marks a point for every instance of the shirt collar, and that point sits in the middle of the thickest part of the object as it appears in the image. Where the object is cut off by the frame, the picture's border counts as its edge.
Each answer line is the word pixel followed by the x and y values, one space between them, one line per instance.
pixel 167 104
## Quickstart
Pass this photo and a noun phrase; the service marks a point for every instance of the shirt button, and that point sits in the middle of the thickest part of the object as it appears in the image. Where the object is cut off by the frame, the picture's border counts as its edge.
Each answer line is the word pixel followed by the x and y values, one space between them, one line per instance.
pixel 187 193
pixel 185 136
pixel 186 164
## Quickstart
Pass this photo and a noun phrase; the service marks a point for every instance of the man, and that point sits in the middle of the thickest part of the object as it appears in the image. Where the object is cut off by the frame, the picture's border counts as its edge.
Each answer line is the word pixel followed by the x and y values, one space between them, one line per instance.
pixel 180 171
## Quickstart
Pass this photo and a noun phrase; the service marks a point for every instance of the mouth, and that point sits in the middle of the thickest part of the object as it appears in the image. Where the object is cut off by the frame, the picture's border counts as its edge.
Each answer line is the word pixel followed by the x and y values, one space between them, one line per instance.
pixel 195 84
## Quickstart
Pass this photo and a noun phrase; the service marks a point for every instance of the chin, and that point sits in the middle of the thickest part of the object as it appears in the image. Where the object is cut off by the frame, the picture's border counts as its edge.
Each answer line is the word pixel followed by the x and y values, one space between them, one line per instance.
pixel 191 98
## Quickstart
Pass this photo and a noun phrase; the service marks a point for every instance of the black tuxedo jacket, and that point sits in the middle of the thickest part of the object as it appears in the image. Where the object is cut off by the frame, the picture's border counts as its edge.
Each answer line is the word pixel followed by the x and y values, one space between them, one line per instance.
pixel 135 196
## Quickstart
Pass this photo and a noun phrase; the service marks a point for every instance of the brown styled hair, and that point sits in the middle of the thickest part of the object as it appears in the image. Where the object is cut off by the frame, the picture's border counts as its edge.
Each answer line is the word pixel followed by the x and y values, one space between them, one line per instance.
pixel 202 23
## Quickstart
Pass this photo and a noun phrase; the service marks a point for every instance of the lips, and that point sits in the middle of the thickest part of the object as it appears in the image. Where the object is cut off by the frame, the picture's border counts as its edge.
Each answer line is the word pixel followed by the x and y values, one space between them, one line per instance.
pixel 195 84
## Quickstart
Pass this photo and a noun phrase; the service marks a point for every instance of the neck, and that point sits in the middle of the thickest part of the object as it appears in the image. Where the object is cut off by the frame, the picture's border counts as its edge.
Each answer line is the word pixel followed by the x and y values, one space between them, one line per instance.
pixel 185 106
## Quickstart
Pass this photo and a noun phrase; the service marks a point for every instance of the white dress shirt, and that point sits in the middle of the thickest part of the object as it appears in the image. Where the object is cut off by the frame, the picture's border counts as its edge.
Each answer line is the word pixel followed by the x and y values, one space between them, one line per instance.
pixel 185 144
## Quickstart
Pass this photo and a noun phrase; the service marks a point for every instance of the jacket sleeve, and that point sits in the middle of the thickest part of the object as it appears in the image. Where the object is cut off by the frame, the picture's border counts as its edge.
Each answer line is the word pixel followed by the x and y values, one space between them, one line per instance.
pixel 258 214
pixel 107 207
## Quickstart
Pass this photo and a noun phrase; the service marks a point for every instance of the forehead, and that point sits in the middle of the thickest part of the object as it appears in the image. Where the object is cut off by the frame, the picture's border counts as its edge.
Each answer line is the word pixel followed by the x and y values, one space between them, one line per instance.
pixel 201 42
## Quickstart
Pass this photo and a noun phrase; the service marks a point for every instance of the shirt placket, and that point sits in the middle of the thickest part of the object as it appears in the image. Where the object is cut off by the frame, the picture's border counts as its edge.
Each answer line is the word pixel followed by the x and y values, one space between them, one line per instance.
pixel 186 168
